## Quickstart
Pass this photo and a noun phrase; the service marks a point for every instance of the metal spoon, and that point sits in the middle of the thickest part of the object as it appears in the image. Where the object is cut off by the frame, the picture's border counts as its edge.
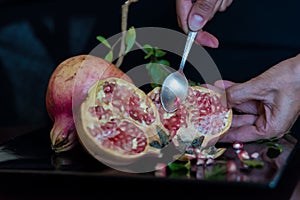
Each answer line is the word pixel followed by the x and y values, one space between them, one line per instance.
pixel 175 86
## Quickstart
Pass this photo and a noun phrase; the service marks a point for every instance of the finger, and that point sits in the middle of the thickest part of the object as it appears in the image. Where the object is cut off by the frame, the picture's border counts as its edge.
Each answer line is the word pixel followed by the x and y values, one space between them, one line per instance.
pixel 213 88
pixel 245 133
pixel 183 8
pixel 249 107
pixel 206 39
pixel 200 13
pixel 243 92
pixel 243 120
pixel 224 84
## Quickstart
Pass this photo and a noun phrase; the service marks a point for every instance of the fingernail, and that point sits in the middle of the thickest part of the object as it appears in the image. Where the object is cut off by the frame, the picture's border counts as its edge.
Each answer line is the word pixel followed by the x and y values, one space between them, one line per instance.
pixel 196 22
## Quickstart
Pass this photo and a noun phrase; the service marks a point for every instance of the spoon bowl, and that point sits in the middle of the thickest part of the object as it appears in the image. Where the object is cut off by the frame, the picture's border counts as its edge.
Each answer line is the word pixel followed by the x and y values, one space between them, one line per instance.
pixel 174 90
pixel 175 86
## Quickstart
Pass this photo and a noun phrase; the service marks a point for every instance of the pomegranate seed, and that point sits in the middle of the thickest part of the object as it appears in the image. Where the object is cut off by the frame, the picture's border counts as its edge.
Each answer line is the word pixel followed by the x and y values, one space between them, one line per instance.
pixel 231 167
pixel 238 145
pixel 108 87
pixel 177 101
pixel 238 151
pixel 160 170
pixel 243 155
pixel 241 178
pixel 160 166
pixel 255 155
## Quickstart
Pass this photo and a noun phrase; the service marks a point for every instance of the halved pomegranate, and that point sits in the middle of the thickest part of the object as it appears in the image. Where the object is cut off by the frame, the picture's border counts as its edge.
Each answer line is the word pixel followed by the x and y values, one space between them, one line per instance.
pixel 118 123
pixel 199 121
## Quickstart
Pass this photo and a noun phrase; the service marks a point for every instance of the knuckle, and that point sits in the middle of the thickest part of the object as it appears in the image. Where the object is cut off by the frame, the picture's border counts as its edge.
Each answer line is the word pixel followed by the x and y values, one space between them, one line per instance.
pixel 205 6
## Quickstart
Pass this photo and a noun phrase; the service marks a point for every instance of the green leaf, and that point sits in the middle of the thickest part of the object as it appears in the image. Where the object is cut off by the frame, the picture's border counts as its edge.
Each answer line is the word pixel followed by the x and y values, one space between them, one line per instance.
pixel 130 39
pixel 103 41
pixel 155 144
pixel 157 72
pixel 197 142
pixel 180 165
pixel 193 83
pixel 109 56
pixel 217 173
pixel 254 163
pixel 273 152
pixel 149 51
pixel 163 137
pixel 274 149
pixel 272 139
pixel 164 62
pixel 159 53
pixel 275 145
pixel 148 48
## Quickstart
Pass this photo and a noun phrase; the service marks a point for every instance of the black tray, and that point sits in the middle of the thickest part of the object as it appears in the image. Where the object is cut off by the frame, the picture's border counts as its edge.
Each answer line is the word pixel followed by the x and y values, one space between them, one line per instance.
pixel 29 165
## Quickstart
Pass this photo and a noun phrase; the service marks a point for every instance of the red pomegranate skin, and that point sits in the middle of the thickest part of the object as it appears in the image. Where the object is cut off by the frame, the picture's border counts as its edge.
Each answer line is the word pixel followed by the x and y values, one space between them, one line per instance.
pixel 67 88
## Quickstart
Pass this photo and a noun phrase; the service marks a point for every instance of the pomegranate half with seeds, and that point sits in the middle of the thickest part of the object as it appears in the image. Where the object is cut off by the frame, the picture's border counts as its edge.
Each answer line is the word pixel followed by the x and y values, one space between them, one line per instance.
pixel 198 122
pixel 118 123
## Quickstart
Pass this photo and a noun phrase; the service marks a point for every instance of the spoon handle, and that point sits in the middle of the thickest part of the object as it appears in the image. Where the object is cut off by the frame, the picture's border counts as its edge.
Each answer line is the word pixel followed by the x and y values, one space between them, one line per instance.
pixel 188 45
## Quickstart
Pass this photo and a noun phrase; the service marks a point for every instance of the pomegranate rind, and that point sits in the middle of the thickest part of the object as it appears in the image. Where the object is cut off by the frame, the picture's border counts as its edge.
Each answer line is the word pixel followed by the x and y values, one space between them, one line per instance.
pixel 187 132
pixel 87 121
pixel 67 88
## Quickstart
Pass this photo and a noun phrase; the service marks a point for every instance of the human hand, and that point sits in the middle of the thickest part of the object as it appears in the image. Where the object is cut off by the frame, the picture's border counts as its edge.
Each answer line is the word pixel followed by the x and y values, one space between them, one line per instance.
pixel 193 15
pixel 268 104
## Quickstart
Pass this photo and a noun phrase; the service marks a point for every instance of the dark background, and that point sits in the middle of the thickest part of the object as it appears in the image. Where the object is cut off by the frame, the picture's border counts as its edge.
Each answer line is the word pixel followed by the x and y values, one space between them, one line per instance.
pixel 35 36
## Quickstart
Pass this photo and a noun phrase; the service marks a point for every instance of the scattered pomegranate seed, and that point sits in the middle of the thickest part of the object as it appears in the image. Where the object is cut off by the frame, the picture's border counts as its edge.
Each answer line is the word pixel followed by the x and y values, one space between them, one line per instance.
pixel 243 155
pixel 237 145
pixel 238 151
pixel 255 155
pixel 231 167
pixel 241 178
pixel 160 166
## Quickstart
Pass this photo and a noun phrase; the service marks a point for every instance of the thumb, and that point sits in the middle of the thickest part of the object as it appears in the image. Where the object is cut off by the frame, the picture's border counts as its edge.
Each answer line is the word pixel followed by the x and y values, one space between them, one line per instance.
pixel 200 13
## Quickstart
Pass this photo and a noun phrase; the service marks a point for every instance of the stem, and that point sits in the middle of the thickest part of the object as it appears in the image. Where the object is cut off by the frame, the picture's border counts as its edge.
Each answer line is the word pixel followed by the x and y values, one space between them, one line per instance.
pixel 125 8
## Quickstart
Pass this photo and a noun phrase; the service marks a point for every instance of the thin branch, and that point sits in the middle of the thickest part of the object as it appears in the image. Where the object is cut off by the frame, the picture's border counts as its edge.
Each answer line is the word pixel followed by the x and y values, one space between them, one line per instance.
pixel 125 8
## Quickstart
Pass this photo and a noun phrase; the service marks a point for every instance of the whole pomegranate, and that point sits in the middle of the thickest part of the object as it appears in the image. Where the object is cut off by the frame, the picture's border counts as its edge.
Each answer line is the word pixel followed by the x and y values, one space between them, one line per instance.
pixel 118 123
pixel 67 88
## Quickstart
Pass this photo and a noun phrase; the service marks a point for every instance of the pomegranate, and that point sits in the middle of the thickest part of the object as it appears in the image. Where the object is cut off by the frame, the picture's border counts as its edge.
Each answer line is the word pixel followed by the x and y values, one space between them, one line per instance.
pixel 118 123
pixel 67 88
pixel 198 122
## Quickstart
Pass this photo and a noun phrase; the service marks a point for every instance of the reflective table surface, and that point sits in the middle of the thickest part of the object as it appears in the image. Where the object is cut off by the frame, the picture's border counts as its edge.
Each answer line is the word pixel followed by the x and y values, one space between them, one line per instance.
pixel 29 166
